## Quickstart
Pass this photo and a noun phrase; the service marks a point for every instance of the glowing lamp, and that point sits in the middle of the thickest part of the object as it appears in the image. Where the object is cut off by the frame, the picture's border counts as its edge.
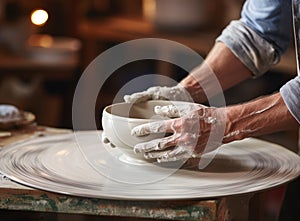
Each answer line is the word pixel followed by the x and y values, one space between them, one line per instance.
pixel 39 17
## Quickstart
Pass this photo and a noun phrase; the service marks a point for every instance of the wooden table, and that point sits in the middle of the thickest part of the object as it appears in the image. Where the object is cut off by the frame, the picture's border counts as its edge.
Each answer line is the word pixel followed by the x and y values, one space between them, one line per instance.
pixel 16 197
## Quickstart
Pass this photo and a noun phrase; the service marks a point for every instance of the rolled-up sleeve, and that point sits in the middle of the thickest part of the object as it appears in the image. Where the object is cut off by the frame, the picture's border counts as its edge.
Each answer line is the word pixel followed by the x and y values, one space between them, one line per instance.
pixel 290 93
pixel 262 34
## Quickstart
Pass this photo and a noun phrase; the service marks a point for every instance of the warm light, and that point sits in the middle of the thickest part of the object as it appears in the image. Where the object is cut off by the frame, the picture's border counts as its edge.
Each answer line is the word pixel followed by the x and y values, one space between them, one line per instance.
pixel 45 41
pixel 39 17
pixel 149 8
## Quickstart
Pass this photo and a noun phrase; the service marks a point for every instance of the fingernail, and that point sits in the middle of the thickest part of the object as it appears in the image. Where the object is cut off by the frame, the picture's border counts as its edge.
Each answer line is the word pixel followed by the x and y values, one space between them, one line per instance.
pixel 127 98
pixel 160 160
pixel 137 149
pixel 163 158
pixel 105 140
pixel 134 132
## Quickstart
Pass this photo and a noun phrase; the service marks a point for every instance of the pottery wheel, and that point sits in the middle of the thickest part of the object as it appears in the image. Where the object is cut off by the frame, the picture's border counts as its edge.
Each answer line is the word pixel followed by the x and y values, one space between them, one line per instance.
pixel 56 163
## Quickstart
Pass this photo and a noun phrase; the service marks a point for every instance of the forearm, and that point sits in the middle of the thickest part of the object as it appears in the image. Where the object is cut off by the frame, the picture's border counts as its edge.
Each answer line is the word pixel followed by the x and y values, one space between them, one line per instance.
pixel 222 64
pixel 262 116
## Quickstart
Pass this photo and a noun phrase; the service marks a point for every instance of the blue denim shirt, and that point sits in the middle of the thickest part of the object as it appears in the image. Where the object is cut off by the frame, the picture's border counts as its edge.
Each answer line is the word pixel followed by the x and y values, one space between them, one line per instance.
pixel 271 19
pixel 260 37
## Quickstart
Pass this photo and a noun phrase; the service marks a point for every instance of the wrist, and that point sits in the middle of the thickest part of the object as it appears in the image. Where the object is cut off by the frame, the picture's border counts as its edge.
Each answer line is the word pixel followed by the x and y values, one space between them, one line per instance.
pixel 232 127
pixel 261 116
pixel 194 89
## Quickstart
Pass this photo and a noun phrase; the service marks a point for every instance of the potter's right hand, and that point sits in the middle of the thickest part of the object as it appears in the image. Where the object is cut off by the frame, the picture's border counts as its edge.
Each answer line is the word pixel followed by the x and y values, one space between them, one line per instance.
pixel 176 93
pixel 196 129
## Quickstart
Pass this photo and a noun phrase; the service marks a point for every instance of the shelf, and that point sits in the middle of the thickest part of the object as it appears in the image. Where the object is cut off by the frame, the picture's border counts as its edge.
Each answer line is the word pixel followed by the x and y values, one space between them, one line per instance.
pixel 120 29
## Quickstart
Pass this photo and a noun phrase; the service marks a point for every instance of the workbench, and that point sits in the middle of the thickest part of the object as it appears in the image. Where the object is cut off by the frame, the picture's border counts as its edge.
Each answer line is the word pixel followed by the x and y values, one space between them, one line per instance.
pixel 16 197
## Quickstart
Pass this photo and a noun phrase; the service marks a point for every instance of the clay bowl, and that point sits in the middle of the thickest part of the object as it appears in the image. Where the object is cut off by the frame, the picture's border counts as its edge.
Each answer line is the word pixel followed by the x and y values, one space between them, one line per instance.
pixel 119 119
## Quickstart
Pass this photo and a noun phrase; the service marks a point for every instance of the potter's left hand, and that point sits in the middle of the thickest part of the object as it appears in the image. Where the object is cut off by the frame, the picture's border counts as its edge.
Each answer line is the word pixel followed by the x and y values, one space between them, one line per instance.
pixel 105 140
pixel 176 93
pixel 195 130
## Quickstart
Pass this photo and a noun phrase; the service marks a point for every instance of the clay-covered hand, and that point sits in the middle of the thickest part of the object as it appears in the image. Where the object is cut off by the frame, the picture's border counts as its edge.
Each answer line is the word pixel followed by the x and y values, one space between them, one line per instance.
pixel 197 129
pixel 106 140
pixel 176 93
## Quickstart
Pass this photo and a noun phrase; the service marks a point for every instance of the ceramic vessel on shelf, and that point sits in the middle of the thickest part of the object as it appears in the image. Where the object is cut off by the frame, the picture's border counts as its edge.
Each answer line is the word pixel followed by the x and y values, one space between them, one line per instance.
pixel 52 48
pixel 179 15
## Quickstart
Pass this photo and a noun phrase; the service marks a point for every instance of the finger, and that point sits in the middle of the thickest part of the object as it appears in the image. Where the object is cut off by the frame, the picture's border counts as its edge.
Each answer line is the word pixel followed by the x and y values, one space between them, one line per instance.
pixel 173 111
pixel 167 111
pixel 104 138
pixel 155 145
pixel 178 151
pixel 154 127
pixel 175 155
pixel 156 154
pixel 137 97
pixel 112 145
pixel 159 126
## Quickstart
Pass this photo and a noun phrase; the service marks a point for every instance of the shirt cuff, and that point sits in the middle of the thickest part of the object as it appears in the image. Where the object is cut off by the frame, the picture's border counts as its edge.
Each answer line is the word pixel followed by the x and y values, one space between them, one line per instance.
pixel 253 51
pixel 290 92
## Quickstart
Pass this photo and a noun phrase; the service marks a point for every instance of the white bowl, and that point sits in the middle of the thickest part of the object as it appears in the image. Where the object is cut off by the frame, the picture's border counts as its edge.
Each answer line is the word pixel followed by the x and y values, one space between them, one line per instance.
pixel 119 119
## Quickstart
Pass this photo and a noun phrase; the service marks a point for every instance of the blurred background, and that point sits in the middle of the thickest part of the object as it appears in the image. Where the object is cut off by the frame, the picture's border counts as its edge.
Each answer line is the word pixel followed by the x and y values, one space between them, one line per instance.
pixel 46 45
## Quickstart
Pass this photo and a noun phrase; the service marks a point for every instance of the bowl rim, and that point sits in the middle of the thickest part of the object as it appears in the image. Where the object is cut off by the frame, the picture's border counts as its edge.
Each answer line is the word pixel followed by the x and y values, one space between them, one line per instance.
pixel 127 119
pixel 137 120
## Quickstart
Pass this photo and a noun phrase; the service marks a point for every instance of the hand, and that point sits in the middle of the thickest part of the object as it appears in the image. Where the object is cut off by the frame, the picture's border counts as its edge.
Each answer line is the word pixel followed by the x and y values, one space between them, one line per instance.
pixel 176 93
pixel 196 130
pixel 106 140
